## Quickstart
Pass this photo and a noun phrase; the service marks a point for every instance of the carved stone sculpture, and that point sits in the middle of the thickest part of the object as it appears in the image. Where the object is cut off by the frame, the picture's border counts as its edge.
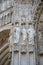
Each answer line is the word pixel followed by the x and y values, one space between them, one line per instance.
pixel 31 34
pixel 10 40
pixel 24 33
pixel 16 32
pixel 10 36
pixel 40 36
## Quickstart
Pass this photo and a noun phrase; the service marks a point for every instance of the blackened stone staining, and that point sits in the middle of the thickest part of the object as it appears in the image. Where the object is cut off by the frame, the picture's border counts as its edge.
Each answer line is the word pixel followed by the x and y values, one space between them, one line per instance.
pixel 42 0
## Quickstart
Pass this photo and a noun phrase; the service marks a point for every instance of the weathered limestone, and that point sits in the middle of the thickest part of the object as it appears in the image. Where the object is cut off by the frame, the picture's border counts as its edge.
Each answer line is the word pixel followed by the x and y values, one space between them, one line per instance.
pixel 24 47
pixel 23 33
pixel 31 34
pixel 24 18
pixel 16 33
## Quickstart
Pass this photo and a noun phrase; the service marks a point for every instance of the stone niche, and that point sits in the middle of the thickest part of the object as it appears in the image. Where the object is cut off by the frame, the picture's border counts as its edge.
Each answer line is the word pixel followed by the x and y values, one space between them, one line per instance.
pixel 16 47
pixel 31 48
pixel 23 49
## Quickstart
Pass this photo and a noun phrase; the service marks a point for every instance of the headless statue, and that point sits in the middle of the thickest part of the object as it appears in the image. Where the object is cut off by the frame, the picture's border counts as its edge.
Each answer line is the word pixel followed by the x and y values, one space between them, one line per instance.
pixel 16 33
pixel 24 34
pixel 31 34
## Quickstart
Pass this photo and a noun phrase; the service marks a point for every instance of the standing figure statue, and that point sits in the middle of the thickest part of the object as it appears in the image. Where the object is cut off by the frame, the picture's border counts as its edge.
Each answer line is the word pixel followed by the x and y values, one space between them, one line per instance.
pixel 40 36
pixel 24 33
pixel 16 32
pixel 10 40
pixel 31 33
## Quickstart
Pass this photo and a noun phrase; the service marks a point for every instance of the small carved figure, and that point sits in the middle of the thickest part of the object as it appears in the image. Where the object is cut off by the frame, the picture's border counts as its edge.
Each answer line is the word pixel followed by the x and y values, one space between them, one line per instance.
pixel 10 40
pixel 16 32
pixel 24 33
pixel 31 33
pixel 40 36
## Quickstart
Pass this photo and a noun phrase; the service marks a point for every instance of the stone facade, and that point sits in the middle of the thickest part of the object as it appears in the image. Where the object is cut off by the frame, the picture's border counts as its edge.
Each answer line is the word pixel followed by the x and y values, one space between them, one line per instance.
pixel 24 18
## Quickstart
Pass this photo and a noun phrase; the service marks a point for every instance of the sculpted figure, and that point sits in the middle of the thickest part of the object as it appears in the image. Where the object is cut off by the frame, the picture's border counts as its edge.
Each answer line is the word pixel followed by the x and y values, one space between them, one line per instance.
pixel 16 32
pixel 31 33
pixel 10 40
pixel 40 36
pixel 24 33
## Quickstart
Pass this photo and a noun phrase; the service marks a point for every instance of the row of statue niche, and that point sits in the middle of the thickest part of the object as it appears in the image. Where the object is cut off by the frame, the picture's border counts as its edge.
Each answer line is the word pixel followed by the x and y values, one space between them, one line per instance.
pixel 23 32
